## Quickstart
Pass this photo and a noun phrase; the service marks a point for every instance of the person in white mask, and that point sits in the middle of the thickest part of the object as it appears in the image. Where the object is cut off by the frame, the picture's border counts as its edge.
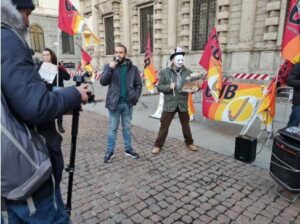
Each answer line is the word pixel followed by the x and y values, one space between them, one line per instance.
pixel 171 81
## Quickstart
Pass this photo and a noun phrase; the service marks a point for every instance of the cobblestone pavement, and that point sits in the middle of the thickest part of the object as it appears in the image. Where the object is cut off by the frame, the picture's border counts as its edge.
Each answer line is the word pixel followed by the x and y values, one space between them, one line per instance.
pixel 177 186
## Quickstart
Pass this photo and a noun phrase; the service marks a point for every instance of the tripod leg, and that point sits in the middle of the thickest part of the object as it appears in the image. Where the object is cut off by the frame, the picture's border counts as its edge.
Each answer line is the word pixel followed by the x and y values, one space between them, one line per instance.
pixel 70 169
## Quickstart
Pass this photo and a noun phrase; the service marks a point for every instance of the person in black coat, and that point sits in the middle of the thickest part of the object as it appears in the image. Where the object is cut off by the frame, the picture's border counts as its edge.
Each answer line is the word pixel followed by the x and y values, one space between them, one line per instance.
pixel 124 90
pixel 293 80
pixel 32 103
pixel 49 56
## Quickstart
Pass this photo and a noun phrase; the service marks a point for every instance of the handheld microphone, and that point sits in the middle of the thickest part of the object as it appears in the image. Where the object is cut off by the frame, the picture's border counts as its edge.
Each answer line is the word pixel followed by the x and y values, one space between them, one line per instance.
pixel 117 59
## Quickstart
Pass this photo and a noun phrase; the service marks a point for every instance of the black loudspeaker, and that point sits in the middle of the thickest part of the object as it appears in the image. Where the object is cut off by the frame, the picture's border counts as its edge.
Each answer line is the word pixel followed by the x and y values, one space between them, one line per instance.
pixel 285 163
pixel 245 148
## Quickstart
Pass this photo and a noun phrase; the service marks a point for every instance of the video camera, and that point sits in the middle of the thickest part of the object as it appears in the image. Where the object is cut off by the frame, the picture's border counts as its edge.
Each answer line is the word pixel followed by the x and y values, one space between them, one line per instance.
pixel 84 78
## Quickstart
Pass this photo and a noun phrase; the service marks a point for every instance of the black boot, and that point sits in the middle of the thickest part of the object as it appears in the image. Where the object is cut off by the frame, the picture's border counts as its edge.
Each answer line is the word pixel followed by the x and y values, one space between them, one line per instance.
pixel 60 128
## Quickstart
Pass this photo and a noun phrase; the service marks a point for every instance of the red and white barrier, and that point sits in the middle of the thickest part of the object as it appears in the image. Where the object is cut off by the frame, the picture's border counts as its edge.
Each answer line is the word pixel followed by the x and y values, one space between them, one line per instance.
pixel 251 76
pixel 72 72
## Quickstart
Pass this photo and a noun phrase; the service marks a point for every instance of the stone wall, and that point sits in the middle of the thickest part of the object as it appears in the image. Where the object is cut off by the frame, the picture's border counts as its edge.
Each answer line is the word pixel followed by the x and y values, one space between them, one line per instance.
pixel 250 31
pixel 49 25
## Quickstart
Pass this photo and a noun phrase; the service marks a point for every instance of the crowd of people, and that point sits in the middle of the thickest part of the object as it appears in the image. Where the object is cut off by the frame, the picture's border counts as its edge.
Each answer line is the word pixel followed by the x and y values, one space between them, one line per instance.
pixel 39 104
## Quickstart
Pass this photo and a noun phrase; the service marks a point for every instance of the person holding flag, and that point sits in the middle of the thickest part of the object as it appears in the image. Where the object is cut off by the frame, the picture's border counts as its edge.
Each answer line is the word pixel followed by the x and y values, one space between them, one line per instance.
pixel 291 52
pixel 171 81
pixel 293 80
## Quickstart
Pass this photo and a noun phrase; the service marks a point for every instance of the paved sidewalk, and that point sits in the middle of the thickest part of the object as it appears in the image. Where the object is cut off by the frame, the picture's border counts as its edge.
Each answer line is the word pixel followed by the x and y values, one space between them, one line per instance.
pixel 177 186
pixel 212 135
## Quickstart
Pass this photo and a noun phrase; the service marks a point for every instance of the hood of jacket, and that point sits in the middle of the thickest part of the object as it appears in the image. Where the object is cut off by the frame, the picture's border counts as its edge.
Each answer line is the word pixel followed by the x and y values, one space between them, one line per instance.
pixel 11 17
pixel 128 62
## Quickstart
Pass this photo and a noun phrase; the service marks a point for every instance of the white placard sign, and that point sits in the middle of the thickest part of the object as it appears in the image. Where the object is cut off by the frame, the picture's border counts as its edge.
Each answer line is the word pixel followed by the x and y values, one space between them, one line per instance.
pixel 48 72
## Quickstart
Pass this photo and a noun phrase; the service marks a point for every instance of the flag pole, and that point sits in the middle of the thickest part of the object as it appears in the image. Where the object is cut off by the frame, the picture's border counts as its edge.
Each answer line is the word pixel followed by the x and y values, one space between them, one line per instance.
pixel 57 53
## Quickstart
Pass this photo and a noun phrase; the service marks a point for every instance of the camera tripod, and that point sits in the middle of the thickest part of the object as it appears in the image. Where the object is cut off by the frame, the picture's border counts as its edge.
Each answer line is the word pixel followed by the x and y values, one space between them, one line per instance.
pixel 71 167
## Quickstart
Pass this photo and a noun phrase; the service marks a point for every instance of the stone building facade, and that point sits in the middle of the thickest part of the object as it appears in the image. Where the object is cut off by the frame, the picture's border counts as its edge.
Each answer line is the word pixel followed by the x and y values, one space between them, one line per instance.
pixel 43 33
pixel 250 31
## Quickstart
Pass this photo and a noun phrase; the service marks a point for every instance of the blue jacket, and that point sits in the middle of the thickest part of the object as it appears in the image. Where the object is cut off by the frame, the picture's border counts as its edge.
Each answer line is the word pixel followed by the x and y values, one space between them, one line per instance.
pixel 111 77
pixel 28 97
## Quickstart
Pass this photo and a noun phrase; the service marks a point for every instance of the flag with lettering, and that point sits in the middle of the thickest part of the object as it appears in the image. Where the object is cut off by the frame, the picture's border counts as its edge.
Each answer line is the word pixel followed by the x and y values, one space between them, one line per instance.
pixel 211 60
pixel 150 74
pixel 290 47
pixel 239 102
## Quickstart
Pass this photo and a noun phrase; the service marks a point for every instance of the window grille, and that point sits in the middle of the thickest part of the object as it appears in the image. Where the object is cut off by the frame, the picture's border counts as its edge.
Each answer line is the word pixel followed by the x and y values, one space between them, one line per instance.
pixel 36 38
pixel 204 14
pixel 146 27
pixel 109 35
pixel 67 43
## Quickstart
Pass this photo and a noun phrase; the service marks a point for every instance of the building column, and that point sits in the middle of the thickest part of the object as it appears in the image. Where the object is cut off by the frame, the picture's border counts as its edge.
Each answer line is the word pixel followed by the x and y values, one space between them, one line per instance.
pixel 126 24
pixel 95 27
pixel 223 13
pixel 184 33
pixel 272 23
pixel 117 22
pixel 247 23
pixel 172 23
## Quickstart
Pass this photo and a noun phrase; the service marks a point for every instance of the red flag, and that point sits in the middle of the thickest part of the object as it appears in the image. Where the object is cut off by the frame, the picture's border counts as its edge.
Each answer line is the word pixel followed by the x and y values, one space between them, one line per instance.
pixel 69 19
pixel 291 37
pixel 191 106
pixel 283 72
pixel 211 60
pixel 149 70
pixel 85 57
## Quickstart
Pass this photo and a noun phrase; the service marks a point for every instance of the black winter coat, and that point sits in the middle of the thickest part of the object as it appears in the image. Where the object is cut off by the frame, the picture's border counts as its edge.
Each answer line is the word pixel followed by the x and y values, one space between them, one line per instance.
pixel 112 78
pixel 293 80
pixel 29 99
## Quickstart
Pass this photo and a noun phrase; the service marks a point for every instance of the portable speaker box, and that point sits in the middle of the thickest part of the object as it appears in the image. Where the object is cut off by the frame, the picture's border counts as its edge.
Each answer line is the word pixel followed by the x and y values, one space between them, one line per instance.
pixel 245 148
pixel 285 163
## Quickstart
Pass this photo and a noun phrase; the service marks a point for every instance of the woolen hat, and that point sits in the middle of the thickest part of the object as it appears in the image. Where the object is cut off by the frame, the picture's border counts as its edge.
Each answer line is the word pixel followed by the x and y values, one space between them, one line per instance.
pixel 176 51
pixel 23 4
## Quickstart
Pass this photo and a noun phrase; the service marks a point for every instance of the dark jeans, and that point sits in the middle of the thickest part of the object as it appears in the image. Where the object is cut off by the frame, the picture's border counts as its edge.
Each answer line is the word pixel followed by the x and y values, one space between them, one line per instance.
pixel 49 210
pixel 165 121
pixel 295 116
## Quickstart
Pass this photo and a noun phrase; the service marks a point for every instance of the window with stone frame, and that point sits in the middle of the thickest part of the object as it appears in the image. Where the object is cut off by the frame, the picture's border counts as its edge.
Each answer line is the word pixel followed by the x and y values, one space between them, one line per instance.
pixel 109 35
pixel 146 27
pixel 36 38
pixel 67 43
pixel 204 17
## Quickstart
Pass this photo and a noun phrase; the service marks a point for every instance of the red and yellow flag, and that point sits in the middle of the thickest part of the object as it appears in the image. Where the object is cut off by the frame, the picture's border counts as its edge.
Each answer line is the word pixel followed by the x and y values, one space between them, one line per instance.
pixel 238 105
pixel 85 58
pixel 267 108
pixel 150 74
pixel 291 37
pixel 70 21
pixel 191 106
pixel 211 60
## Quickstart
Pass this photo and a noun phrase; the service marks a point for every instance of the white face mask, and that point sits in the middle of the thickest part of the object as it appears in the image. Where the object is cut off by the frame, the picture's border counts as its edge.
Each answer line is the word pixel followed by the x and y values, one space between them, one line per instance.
pixel 178 61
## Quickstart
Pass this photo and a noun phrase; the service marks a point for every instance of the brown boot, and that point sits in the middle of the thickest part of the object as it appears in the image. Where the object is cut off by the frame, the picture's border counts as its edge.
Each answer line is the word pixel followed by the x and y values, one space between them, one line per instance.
pixel 156 150
pixel 192 147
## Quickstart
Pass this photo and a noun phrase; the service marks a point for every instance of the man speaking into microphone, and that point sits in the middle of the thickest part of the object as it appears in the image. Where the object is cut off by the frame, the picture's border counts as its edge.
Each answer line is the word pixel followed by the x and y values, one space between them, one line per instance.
pixel 124 90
